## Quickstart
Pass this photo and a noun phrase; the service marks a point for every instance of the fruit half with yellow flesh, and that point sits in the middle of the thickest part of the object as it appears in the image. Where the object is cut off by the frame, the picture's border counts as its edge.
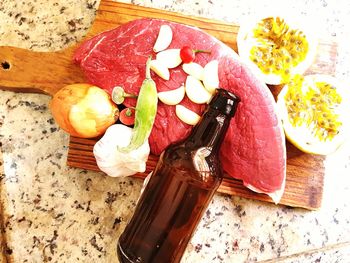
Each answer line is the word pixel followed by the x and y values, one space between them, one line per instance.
pixel 276 48
pixel 315 113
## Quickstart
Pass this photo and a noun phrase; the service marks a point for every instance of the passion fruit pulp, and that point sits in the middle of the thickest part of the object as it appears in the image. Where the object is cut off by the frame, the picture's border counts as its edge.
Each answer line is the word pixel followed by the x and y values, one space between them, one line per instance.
pixel 314 112
pixel 275 49
pixel 279 48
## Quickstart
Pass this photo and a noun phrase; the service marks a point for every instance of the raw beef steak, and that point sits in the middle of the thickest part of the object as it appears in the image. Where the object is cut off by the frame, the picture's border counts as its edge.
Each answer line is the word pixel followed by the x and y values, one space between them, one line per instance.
pixel 254 147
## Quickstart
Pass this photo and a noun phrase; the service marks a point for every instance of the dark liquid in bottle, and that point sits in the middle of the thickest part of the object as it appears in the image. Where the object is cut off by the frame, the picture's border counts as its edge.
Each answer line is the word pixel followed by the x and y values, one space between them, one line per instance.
pixel 175 199
pixel 180 189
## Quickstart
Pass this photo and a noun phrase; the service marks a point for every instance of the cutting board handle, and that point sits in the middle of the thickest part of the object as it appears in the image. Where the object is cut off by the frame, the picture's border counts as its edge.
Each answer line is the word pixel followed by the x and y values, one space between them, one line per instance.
pixel 45 72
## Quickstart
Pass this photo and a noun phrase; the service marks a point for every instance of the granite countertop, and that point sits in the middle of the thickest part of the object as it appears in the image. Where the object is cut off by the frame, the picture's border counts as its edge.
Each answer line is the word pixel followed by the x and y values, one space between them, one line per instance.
pixel 51 212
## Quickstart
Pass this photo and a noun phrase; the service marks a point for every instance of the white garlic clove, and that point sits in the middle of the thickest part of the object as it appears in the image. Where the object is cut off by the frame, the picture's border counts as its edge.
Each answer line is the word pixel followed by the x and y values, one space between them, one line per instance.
pixel 170 57
pixel 211 76
pixel 160 69
pixel 195 91
pixel 172 97
pixel 186 115
pixel 164 38
pixel 193 69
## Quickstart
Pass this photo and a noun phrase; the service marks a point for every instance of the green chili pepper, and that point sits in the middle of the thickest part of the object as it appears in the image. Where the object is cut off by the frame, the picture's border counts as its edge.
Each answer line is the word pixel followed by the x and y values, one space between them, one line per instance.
pixel 146 110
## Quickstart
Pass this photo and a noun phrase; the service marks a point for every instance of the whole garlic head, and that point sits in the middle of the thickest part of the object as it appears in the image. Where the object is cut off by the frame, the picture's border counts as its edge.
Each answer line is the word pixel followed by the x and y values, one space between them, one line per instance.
pixel 115 163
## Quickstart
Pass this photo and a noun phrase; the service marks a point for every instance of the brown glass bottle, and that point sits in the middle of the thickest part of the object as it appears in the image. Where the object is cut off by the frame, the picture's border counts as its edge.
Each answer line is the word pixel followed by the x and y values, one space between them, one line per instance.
pixel 184 181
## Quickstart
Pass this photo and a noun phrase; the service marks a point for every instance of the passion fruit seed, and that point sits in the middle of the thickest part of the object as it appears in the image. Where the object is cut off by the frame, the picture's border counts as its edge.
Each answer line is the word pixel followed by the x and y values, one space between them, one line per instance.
pixel 279 47
pixel 314 106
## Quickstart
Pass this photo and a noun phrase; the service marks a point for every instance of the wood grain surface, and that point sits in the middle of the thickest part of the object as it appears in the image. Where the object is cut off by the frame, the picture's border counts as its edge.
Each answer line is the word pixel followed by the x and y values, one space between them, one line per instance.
pixel 47 72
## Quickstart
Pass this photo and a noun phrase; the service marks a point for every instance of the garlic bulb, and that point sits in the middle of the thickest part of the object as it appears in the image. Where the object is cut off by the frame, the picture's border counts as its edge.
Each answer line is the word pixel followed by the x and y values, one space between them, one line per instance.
pixel 115 163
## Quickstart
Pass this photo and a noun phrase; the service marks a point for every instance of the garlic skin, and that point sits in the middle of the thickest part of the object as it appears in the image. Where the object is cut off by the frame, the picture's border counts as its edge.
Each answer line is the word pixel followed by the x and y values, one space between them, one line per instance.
pixel 115 163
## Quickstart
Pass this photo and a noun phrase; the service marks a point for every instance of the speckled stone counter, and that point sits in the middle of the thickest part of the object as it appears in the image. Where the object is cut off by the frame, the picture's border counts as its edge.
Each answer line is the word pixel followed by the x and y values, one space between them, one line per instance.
pixel 51 212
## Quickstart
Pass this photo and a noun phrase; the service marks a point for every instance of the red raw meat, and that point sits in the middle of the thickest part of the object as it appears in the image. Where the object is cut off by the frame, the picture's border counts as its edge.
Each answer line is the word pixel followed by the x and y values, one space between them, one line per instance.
pixel 254 147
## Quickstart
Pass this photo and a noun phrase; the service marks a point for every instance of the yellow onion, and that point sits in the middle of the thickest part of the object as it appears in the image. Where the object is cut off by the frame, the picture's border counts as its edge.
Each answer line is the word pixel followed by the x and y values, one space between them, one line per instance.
pixel 83 110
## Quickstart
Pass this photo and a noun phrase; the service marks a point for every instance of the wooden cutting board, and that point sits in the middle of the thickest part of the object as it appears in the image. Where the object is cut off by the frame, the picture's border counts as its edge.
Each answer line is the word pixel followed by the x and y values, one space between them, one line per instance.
pixel 46 72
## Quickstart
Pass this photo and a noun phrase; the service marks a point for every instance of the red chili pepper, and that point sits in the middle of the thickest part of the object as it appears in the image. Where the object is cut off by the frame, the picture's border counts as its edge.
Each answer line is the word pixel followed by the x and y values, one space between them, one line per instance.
pixel 127 116
pixel 187 54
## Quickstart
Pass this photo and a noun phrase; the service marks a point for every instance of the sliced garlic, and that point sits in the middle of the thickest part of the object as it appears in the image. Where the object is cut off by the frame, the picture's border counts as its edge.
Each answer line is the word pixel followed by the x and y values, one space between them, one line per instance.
pixel 170 57
pixel 160 69
pixel 193 69
pixel 164 38
pixel 211 76
pixel 172 97
pixel 195 90
pixel 186 115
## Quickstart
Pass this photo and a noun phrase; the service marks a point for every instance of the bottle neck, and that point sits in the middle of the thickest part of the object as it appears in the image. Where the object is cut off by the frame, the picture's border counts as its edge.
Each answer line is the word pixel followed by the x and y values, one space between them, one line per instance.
pixel 210 131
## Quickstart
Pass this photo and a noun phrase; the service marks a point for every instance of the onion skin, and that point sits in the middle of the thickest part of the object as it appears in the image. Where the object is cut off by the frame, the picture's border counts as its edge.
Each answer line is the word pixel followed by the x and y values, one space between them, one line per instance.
pixel 93 113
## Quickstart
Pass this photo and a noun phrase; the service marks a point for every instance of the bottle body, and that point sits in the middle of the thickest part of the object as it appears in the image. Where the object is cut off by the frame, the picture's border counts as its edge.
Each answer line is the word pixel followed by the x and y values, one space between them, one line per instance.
pixel 183 183
pixel 169 209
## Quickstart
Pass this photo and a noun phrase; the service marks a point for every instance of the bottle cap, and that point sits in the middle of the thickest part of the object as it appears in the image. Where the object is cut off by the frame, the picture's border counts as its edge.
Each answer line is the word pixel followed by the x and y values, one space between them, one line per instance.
pixel 225 101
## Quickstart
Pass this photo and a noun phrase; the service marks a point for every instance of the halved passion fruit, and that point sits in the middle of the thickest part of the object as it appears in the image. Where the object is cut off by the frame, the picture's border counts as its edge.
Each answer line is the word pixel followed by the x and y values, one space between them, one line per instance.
pixel 276 49
pixel 315 113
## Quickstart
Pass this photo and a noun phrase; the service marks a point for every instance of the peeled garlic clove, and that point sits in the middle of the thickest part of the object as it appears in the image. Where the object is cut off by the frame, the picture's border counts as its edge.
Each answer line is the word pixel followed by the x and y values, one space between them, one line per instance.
pixel 193 69
pixel 172 97
pixel 195 90
pixel 164 38
pixel 211 76
pixel 170 57
pixel 160 69
pixel 186 115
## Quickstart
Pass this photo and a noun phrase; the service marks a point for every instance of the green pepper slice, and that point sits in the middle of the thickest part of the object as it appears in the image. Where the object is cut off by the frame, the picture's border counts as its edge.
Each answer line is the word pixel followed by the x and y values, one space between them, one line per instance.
pixel 145 114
